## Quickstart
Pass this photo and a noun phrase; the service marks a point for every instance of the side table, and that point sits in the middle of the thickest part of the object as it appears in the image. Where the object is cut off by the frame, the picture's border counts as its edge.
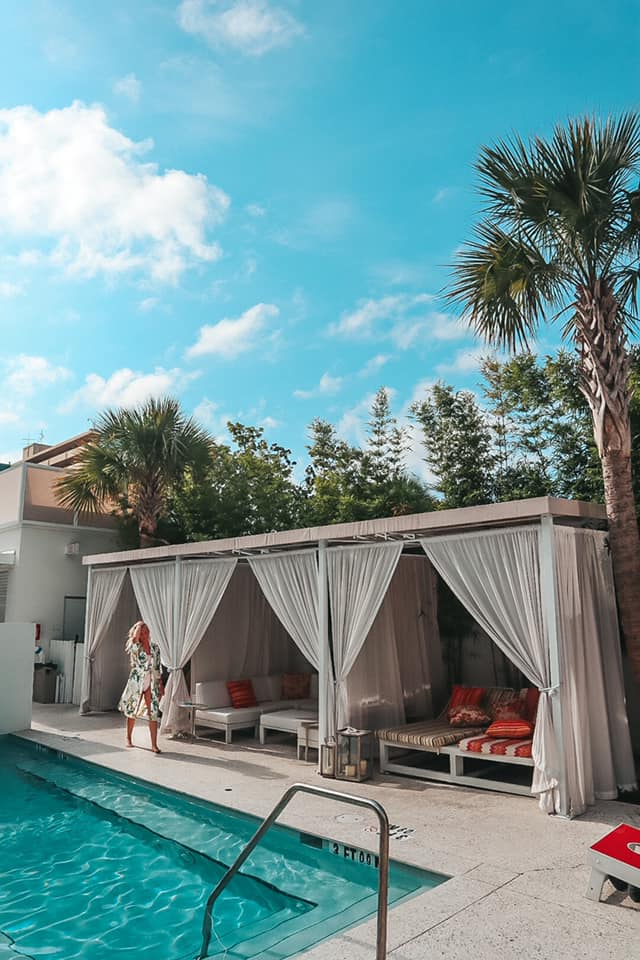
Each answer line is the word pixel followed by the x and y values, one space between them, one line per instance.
pixel 192 706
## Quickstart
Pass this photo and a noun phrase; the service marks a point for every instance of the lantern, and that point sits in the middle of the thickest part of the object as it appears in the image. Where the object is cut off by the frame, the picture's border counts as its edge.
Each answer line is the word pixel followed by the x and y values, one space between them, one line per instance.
pixel 328 758
pixel 354 754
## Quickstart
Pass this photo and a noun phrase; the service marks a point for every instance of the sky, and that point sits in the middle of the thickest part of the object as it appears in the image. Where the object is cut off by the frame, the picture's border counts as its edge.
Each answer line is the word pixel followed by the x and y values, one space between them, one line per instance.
pixel 251 205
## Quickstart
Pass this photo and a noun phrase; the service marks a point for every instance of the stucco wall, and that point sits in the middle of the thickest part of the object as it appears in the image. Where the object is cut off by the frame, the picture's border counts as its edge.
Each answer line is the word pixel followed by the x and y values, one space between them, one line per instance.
pixel 17 642
pixel 43 575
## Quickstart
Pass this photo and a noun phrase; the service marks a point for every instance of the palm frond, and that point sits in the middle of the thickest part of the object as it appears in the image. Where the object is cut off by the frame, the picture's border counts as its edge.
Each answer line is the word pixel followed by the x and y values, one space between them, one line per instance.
pixel 503 284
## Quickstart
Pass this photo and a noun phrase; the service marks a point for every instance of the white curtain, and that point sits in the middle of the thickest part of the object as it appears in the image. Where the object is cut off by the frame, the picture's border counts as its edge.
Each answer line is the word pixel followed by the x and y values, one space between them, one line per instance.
pixel 245 638
pixel 106 587
pixel 201 585
pixel 358 581
pixel 597 745
pixel 496 576
pixel 154 588
pixel 290 585
pixel 399 674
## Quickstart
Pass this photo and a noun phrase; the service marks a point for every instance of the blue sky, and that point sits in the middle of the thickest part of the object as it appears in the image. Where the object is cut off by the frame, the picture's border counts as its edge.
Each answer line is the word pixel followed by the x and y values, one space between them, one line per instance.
pixel 250 204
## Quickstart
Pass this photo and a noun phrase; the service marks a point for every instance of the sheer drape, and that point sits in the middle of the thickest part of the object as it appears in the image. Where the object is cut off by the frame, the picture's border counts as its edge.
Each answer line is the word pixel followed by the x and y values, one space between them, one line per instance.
pixel 290 585
pixel 245 638
pixel 358 581
pixel 106 587
pixel 154 587
pixel 201 586
pixel 399 669
pixel 496 576
pixel 597 745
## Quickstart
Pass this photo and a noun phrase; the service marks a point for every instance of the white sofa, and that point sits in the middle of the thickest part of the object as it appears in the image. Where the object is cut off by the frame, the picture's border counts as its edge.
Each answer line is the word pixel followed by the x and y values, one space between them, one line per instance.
pixel 221 715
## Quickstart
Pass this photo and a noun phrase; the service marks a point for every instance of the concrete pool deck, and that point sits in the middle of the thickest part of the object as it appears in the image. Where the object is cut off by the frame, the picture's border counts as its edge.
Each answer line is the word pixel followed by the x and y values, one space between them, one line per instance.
pixel 518 878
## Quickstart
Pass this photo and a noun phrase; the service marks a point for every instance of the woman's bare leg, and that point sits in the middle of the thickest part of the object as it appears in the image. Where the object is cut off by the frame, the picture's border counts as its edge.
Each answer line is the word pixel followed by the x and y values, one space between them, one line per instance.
pixel 130 725
pixel 153 724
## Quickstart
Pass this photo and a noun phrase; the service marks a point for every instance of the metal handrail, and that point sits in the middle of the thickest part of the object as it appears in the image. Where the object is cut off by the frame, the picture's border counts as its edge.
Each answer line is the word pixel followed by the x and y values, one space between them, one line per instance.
pixel 383 864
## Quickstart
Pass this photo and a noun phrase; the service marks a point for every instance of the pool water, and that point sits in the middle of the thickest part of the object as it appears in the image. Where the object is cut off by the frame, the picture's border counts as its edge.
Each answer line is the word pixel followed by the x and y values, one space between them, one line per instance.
pixel 97 865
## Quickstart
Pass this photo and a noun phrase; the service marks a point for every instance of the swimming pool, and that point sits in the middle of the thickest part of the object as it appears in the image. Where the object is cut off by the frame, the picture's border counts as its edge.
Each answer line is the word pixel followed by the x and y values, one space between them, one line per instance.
pixel 97 865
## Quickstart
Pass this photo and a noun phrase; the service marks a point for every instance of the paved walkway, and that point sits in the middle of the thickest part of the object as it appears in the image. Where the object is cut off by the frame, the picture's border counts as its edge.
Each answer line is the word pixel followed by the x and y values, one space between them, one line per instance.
pixel 517 877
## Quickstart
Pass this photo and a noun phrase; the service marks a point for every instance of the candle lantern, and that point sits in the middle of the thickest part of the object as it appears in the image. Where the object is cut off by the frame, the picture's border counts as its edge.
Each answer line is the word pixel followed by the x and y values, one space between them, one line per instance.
pixel 328 758
pixel 354 759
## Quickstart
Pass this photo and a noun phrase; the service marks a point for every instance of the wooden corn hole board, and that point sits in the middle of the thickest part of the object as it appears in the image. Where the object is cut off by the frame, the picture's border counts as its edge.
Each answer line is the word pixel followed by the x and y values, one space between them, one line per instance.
pixel 616 855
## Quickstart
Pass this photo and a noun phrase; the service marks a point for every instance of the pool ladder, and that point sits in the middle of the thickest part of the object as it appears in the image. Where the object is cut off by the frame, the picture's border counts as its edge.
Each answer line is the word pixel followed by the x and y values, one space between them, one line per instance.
pixel 383 863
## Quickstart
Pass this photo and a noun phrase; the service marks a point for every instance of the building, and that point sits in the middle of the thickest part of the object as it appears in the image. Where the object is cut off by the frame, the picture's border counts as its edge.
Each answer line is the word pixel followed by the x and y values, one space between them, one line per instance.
pixel 42 578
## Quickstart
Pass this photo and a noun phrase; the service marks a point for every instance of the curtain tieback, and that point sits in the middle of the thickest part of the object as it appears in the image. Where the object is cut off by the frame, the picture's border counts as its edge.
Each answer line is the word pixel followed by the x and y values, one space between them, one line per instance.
pixel 550 690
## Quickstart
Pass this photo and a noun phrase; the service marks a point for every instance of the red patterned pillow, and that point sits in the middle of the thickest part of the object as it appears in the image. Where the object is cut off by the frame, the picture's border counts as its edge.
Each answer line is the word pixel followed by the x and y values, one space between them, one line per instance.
pixel 241 693
pixel 511 729
pixel 296 686
pixel 467 715
pixel 465 696
pixel 513 709
pixel 529 697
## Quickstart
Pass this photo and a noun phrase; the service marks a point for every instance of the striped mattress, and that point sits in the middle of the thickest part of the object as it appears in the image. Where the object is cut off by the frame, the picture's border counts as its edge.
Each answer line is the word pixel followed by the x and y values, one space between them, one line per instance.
pixel 496 746
pixel 428 734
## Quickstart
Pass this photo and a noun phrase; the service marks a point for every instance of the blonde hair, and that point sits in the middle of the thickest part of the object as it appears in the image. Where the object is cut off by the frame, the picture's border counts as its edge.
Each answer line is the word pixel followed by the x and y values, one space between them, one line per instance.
pixel 132 632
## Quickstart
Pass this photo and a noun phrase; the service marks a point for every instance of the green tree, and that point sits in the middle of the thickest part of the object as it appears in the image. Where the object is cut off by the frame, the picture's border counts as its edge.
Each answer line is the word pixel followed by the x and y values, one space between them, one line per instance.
pixel 244 490
pixel 132 462
pixel 458 446
pixel 561 235
pixel 345 483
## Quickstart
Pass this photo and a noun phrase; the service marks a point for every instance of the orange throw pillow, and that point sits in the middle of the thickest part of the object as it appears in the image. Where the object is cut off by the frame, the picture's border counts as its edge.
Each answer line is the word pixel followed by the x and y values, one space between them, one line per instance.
pixel 465 696
pixel 241 693
pixel 511 729
pixel 296 686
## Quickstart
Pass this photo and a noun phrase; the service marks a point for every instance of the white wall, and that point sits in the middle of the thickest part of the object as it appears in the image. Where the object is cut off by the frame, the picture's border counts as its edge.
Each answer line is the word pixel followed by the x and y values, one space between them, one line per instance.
pixel 43 575
pixel 17 643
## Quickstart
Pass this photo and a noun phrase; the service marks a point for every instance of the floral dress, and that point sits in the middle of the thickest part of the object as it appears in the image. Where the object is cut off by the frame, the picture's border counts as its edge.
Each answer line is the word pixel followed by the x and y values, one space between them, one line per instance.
pixel 146 673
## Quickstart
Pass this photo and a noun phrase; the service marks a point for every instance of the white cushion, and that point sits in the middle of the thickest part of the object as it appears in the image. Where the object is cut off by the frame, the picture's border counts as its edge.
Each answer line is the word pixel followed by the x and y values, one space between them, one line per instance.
pixel 267 688
pixel 313 692
pixel 214 693
pixel 229 714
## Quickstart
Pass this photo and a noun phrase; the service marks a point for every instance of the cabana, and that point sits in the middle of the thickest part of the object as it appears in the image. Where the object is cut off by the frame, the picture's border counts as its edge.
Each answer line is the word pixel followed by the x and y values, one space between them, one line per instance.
pixel 357 602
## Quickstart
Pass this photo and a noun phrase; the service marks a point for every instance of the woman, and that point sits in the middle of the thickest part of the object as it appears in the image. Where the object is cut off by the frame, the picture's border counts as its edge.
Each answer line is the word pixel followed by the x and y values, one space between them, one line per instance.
pixel 144 687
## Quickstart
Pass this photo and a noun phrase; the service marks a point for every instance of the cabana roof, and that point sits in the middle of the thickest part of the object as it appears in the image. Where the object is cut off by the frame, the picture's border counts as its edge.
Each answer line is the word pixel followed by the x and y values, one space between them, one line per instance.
pixel 407 527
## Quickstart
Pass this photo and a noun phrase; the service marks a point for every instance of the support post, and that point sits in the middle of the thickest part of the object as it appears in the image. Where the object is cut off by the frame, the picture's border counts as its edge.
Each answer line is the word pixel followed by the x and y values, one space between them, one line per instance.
pixel 323 645
pixel 86 666
pixel 550 615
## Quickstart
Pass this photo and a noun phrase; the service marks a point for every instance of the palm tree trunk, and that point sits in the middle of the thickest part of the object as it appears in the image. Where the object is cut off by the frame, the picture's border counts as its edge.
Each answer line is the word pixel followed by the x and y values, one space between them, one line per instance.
pixel 605 384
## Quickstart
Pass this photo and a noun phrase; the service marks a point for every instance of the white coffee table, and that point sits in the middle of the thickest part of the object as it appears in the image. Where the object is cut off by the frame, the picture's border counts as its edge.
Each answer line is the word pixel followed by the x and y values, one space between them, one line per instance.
pixel 286 721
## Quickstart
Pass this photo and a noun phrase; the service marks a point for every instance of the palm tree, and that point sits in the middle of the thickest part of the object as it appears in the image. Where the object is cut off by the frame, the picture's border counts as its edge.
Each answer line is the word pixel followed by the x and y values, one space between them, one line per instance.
pixel 133 460
pixel 560 236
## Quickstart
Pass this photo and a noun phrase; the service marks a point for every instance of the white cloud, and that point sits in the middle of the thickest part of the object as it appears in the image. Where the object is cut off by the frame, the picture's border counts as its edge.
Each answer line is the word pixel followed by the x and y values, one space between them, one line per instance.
pixel 402 318
pixel 465 361
pixel 8 416
pixel 269 423
pixel 442 194
pixel 124 388
pixel 327 386
pixel 129 87
pixel 68 177
pixel 364 321
pixel 8 289
pixel 149 303
pixel 326 220
pixel 26 374
pixel 421 389
pixel 400 273
pixel 232 336
pixel 256 210
pixel 374 364
pixel 252 27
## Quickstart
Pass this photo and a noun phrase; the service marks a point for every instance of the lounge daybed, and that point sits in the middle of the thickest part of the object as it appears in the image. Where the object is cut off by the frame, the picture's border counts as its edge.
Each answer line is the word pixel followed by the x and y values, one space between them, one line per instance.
pixel 221 715
pixel 458 743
